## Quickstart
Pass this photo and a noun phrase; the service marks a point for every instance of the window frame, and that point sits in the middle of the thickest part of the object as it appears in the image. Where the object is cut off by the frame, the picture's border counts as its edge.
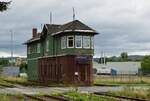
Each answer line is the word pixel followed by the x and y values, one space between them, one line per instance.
pixel 29 49
pixel 92 42
pixel 47 45
pixel 68 41
pixel 63 40
pixel 86 42
pixel 38 47
pixel 81 38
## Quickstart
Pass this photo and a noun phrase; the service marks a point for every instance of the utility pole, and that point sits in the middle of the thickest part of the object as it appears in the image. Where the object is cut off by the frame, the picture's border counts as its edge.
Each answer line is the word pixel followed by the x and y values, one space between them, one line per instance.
pixel 11 32
pixel 50 18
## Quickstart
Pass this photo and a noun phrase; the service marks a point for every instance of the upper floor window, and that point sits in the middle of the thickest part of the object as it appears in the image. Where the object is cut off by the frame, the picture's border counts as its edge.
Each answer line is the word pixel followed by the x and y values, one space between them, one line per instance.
pixel 63 42
pixel 92 42
pixel 47 45
pixel 86 41
pixel 70 41
pixel 29 50
pixel 78 41
pixel 38 47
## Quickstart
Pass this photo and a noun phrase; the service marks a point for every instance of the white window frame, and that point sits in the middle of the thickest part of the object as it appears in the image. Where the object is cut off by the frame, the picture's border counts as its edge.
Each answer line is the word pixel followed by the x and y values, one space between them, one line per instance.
pixel 76 39
pixel 92 42
pixel 68 41
pixel 39 48
pixel 85 41
pixel 47 45
pixel 63 42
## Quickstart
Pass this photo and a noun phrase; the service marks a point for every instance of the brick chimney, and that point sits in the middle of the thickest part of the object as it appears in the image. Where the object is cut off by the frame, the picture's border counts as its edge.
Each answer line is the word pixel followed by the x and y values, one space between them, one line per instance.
pixel 34 32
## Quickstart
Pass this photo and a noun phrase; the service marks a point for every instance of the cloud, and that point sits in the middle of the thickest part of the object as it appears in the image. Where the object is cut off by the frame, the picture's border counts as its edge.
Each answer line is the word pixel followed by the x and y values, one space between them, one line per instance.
pixel 123 24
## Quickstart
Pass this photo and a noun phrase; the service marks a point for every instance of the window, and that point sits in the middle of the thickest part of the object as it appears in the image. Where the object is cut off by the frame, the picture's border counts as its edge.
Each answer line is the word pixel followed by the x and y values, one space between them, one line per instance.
pixel 47 45
pixel 70 41
pixel 86 41
pixel 38 47
pixel 92 42
pixel 78 41
pixel 29 50
pixel 63 42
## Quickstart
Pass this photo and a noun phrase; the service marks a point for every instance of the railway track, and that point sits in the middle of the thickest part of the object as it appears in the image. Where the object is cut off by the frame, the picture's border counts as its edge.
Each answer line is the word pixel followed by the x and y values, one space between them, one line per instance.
pixel 120 97
pixel 9 86
pixel 45 98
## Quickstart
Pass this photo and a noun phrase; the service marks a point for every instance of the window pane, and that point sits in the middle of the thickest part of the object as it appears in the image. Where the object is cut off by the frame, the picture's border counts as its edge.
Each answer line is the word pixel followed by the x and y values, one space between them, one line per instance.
pixel 70 42
pixel 86 41
pixel 38 47
pixel 78 40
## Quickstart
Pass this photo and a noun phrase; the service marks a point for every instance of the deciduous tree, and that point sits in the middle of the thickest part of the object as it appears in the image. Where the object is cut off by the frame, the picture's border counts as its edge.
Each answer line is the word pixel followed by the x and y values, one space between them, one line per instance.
pixel 145 65
pixel 4 5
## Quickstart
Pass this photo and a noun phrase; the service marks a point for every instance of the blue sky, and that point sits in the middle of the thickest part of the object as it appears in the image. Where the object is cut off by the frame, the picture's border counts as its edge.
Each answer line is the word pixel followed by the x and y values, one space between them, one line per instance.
pixel 123 24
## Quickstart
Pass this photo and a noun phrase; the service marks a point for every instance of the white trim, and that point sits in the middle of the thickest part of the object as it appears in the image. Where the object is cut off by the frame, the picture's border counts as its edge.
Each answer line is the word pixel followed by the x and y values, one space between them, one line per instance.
pixel 63 39
pixel 68 41
pixel 76 41
pixel 90 31
pixel 92 41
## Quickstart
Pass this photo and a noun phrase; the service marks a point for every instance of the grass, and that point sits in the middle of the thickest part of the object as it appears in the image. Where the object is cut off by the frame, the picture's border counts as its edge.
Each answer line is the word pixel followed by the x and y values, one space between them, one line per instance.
pixel 122 81
pixel 134 93
pixel 12 97
pixel 25 82
pixel 76 96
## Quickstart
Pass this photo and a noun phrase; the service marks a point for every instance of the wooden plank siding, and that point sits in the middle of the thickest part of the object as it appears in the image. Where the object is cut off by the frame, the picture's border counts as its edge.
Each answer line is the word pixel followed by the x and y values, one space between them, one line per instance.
pixel 62 70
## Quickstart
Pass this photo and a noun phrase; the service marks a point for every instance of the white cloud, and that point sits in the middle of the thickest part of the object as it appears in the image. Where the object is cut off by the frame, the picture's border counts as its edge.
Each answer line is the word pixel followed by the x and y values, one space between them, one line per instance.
pixel 123 24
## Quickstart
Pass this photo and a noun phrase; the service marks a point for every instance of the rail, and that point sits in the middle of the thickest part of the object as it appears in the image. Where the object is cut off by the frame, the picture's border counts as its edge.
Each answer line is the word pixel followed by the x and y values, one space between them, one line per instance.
pixel 120 97
pixel 45 98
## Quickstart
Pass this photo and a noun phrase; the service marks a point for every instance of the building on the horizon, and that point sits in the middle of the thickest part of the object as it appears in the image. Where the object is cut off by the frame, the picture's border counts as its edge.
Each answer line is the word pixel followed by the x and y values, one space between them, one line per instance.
pixel 61 53
pixel 122 68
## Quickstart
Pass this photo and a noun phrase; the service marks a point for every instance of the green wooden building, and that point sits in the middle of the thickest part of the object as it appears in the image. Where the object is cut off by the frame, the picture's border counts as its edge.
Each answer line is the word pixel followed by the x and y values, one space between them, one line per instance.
pixel 61 53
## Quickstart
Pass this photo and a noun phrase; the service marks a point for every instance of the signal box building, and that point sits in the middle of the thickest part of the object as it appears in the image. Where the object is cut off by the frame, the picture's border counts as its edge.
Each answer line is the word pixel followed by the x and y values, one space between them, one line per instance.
pixel 61 53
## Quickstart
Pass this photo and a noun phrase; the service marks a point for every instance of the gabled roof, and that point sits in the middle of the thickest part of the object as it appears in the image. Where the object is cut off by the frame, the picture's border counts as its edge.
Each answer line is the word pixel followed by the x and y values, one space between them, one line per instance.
pixel 55 29
pixel 52 28
pixel 74 26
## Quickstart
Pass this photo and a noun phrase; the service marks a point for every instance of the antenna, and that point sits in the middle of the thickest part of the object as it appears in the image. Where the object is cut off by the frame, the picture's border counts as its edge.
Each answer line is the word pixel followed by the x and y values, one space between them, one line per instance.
pixel 50 18
pixel 73 13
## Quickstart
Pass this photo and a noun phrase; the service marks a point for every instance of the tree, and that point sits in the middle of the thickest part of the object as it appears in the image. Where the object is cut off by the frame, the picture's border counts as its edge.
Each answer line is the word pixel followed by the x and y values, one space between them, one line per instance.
pixel 124 56
pixel 4 5
pixel 145 65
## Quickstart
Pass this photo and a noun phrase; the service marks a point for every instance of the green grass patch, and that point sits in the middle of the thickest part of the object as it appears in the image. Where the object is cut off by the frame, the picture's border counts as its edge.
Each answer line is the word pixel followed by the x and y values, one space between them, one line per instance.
pixel 76 96
pixel 13 97
pixel 132 92
pixel 122 81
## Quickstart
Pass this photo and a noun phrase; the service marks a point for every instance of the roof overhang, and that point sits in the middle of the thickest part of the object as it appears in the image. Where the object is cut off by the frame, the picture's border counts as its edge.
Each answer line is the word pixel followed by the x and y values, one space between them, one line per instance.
pixel 84 31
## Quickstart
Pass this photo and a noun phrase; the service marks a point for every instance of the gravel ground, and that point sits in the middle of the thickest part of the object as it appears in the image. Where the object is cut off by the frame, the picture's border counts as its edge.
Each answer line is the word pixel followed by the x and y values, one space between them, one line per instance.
pixel 45 90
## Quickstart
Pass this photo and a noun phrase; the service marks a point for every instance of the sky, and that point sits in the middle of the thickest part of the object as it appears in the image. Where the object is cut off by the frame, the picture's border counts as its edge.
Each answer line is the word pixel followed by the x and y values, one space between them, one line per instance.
pixel 124 25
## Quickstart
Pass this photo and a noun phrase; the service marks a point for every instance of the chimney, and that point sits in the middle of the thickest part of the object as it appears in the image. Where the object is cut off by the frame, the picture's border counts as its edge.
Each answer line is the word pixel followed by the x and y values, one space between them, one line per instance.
pixel 34 32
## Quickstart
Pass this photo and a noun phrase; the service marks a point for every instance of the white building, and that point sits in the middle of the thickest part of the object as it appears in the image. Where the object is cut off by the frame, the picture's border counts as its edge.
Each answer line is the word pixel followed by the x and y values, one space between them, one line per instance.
pixel 120 67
